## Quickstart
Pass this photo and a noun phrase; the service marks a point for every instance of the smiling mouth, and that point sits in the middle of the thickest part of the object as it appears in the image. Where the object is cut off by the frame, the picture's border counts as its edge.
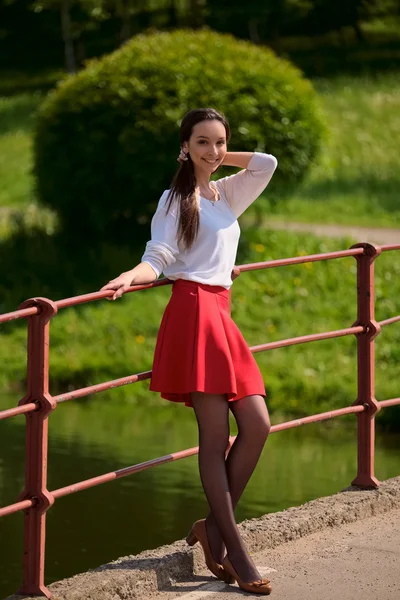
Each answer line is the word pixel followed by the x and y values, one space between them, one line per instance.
pixel 210 162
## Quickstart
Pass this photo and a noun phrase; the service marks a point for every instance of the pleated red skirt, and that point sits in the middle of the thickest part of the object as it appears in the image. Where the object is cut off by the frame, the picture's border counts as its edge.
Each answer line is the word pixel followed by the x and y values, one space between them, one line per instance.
pixel 200 348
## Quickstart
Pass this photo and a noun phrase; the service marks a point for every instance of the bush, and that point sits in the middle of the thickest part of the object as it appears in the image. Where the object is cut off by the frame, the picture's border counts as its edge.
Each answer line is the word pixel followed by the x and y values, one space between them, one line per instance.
pixel 106 140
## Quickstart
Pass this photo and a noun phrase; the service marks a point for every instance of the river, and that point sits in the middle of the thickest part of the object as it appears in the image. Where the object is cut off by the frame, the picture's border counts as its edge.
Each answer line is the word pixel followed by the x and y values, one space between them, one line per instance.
pixel 89 437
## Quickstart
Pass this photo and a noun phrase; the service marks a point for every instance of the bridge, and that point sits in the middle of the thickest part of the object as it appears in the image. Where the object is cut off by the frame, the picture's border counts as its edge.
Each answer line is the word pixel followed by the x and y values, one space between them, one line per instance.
pixel 35 500
pixel 341 546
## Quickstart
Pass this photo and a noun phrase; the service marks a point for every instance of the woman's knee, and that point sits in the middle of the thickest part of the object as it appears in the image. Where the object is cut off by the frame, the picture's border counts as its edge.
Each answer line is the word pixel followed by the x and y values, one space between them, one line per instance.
pixel 264 426
pixel 252 418
pixel 261 428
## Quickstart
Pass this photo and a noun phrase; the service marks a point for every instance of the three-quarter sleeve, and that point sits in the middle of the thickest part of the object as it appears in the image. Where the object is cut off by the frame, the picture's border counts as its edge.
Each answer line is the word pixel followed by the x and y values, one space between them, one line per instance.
pixel 242 188
pixel 162 250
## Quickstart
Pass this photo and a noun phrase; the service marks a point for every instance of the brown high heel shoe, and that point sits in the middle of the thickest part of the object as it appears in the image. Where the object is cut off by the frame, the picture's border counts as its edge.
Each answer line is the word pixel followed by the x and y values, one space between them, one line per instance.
pixel 199 533
pixel 261 586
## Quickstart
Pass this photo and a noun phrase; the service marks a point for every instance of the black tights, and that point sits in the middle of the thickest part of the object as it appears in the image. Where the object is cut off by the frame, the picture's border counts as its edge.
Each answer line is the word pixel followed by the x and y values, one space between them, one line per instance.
pixel 225 480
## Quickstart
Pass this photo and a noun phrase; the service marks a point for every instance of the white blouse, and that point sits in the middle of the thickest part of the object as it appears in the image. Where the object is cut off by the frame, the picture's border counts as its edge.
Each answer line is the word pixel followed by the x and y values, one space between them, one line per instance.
pixel 213 254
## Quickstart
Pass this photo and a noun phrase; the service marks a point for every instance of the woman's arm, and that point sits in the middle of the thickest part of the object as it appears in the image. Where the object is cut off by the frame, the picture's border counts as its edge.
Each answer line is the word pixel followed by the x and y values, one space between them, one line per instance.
pixel 162 249
pixel 237 159
pixel 242 188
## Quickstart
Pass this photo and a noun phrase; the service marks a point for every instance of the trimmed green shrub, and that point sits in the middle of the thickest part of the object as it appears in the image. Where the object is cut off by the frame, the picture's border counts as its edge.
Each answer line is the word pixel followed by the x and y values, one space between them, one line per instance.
pixel 107 139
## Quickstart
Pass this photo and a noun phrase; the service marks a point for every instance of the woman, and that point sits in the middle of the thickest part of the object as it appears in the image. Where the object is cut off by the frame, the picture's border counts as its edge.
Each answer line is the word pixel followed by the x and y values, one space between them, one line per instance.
pixel 201 357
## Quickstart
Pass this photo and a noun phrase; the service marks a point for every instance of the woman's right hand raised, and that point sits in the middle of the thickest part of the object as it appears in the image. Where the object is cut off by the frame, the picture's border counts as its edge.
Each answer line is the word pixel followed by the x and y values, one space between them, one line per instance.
pixel 120 284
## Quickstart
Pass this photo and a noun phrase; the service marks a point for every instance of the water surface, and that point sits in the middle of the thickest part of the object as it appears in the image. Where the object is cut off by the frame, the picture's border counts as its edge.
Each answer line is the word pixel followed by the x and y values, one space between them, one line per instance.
pixel 89 437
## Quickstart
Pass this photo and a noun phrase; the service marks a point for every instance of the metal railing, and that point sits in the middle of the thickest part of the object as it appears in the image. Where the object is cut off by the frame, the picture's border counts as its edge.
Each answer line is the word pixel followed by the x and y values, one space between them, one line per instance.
pixel 38 403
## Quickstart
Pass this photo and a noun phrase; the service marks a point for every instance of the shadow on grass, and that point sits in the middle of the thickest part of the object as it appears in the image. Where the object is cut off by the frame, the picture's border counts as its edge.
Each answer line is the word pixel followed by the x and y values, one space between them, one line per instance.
pixel 328 59
pixel 383 192
pixel 58 266
pixel 17 81
pixel 18 114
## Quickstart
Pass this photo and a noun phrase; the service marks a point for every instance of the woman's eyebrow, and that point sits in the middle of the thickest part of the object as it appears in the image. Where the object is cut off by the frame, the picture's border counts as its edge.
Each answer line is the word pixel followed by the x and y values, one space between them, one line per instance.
pixel 205 137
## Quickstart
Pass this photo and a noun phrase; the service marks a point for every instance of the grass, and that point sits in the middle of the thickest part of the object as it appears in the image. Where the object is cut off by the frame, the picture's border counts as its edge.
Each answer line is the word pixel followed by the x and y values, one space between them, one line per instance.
pixel 16 123
pixel 357 178
pixel 102 340
pixel 335 53
pixel 355 181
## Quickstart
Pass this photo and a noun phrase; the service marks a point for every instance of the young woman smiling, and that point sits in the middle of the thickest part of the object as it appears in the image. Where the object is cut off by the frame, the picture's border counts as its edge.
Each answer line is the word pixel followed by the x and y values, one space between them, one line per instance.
pixel 201 358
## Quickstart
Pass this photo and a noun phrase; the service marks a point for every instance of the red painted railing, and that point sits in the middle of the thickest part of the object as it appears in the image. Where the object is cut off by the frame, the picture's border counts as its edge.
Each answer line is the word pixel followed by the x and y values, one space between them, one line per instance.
pixel 38 403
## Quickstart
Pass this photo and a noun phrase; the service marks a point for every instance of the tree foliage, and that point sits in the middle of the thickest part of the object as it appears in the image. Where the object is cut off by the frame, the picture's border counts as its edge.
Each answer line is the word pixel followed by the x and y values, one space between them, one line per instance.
pixel 107 139
pixel 92 27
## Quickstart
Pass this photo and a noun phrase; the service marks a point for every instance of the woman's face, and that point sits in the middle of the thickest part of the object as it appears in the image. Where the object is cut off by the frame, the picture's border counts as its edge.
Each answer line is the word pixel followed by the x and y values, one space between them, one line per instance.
pixel 207 145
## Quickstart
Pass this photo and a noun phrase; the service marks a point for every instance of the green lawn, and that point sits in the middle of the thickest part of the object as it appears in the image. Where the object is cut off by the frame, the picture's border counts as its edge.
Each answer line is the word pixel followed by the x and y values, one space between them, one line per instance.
pixel 106 340
pixel 16 123
pixel 357 178
pixel 355 181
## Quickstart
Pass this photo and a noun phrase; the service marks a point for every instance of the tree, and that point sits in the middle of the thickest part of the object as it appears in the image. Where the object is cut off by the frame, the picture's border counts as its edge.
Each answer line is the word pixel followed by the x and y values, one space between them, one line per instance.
pixel 76 16
pixel 259 22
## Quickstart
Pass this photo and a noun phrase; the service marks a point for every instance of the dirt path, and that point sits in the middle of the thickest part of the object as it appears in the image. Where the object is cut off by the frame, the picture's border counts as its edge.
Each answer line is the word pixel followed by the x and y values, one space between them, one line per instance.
pixel 360 234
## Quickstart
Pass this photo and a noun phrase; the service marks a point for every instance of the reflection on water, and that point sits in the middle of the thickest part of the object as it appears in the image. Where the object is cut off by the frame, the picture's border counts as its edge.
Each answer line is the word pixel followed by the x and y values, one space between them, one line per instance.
pixel 148 509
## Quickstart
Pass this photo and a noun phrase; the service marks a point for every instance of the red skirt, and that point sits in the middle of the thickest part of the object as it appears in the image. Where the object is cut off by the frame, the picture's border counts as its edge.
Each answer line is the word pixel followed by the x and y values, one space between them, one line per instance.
pixel 200 348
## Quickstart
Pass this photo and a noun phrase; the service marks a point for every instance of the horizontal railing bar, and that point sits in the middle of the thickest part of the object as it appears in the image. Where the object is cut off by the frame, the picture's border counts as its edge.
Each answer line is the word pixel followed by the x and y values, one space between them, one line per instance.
pixel 19 410
pixel 390 247
pixel 18 314
pixel 101 387
pixel 321 417
pixel 26 312
pixel 308 338
pixel 391 402
pixel 283 262
pixel 88 483
pixel 105 294
pixel 12 508
pixel 106 385
pixel 389 321
pixel 165 281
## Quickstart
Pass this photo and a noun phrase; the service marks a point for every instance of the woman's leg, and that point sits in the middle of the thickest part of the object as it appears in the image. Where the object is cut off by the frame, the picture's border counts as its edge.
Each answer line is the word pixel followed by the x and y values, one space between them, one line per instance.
pixel 212 414
pixel 253 422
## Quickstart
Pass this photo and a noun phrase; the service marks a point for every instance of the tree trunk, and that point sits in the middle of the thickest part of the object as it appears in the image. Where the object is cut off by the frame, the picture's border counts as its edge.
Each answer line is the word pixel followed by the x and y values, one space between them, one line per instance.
pixel 173 15
pixel 66 28
pixel 196 19
pixel 126 31
pixel 359 32
pixel 80 52
pixel 253 30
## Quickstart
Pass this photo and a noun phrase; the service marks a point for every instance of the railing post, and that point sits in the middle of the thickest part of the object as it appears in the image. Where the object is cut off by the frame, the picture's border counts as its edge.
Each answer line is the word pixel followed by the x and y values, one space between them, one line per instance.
pixel 36 446
pixel 366 365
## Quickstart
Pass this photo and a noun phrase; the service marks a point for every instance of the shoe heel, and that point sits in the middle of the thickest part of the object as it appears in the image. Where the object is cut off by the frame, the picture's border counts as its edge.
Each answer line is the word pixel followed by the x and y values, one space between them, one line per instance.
pixel 191 539
pixel 228 578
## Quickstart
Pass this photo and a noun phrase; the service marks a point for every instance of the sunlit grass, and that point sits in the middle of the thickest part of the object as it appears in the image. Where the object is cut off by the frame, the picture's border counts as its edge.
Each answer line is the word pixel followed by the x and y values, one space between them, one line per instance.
pixel 103 340
pixel 355 181
pixel 357 177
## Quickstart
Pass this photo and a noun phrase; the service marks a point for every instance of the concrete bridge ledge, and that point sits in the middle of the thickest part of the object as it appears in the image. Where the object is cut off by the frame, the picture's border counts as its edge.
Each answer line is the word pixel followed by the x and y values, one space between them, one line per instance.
pixel 151 572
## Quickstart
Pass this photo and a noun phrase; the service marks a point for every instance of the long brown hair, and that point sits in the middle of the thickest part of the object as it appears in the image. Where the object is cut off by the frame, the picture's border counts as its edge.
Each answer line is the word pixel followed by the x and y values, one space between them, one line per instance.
pixel 184 182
